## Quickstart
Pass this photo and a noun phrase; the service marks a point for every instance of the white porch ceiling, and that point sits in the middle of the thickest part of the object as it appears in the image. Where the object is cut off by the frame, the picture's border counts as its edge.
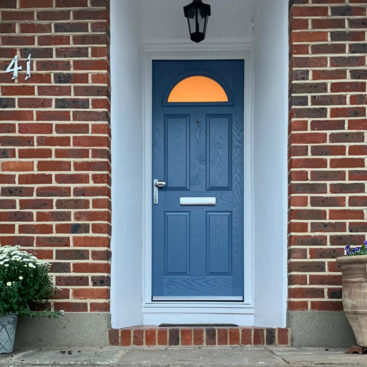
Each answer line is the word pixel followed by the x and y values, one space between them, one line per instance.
pixel 163 20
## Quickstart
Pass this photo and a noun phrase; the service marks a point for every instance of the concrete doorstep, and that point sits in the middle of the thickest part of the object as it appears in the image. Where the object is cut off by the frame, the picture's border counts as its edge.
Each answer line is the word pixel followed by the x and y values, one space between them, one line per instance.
pixel 205 356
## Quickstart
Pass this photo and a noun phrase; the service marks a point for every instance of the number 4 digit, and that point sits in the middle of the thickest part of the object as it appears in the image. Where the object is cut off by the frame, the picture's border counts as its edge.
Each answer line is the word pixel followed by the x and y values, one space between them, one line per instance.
pixel 13 67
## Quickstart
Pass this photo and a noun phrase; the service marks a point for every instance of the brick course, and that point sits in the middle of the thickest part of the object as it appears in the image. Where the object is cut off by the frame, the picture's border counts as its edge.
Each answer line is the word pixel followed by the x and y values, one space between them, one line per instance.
pixel 327 146
pixel 55 143
pixel 198 336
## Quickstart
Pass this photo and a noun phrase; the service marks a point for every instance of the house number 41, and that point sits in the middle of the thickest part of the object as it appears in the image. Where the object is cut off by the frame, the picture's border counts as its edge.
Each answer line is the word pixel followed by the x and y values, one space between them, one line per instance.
pixel 14 68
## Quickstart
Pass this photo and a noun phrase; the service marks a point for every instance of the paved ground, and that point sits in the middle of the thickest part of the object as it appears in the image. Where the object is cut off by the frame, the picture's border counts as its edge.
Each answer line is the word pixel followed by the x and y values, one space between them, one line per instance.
pixel 177 357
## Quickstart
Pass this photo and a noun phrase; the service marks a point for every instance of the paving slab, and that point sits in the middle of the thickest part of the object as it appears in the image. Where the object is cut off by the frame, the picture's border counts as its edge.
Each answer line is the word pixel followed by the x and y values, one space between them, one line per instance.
pixel 65 357
pixel 319 357
pixel 184 357
pixel 209 356
pixel 205 357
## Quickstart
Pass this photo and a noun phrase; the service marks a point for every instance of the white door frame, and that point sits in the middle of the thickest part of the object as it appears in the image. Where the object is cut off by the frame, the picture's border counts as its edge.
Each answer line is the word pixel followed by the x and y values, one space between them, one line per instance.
pixel 241 313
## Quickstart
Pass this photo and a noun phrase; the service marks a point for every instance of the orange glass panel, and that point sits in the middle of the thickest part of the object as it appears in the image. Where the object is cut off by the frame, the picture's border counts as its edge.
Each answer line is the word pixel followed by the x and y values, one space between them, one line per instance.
pixel 197 89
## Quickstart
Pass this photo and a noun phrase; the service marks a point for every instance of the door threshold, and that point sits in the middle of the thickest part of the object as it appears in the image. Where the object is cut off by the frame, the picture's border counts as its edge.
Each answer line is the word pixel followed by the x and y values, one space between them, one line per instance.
pixel 198 298
pixel 197 325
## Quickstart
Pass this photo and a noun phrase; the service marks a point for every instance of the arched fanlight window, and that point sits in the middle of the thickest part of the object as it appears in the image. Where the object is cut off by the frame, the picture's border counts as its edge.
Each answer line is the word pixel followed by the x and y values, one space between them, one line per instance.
pixel 197 89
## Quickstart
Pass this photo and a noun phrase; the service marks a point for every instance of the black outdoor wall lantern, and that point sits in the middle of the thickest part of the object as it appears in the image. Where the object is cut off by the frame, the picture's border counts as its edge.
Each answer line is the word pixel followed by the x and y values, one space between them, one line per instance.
pixel 197 14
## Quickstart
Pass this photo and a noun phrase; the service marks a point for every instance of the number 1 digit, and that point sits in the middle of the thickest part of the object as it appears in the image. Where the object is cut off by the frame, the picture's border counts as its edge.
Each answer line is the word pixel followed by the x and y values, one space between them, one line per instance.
pixel 28 75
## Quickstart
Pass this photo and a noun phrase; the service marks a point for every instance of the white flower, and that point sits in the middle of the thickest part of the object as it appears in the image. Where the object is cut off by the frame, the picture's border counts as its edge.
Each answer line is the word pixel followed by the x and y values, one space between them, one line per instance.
pixel 6 265
pixel 13 255
pixel 8 284
pixel 20 277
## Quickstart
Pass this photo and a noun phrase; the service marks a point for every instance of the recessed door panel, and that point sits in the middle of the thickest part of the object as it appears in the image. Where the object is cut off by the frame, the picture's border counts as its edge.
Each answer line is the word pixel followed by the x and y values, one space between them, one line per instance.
pixel 177 151
pixel 219 243
pixel 218 152
pixel 197 224
pixel 177 242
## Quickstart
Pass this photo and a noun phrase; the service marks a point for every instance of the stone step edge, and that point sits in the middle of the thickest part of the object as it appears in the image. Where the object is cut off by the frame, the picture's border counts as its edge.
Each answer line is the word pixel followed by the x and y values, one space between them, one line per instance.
pixel 151 336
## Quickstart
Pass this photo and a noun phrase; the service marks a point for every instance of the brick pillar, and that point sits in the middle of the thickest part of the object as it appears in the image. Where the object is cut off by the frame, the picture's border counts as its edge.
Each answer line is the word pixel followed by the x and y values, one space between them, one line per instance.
pixel 327 146
pixel 55 143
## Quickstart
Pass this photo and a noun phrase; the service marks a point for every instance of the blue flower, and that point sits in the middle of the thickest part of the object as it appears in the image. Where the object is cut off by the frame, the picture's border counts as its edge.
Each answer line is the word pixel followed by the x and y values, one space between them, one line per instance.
pixel 357 250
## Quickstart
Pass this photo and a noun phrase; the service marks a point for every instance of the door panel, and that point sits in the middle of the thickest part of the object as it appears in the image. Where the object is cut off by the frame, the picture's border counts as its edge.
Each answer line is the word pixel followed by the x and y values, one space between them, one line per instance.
pixel 198 152
pixel 219 152
pixel 177 242
pixel 177 152
pixel 219 243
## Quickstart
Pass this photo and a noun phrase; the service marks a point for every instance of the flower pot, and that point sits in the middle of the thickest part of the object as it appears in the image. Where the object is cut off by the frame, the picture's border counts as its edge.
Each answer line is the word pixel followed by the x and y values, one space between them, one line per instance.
pixel 8 325
pixel 354 271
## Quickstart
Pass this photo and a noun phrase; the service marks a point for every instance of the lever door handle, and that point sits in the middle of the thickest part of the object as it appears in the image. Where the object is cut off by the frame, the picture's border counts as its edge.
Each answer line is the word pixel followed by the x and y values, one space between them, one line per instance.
pixel 157 185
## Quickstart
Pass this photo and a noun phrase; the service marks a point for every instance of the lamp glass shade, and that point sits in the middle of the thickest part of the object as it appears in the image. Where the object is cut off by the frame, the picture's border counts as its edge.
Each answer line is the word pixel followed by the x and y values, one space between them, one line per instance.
pixel 197 15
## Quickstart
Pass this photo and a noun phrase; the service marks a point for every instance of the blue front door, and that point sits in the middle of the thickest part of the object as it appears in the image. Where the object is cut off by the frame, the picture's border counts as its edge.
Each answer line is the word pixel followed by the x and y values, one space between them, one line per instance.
pixel 198 167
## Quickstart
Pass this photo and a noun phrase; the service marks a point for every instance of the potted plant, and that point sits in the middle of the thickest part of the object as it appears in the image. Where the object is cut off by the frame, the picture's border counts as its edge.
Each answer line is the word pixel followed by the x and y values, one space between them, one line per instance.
pixel 354 272
pixel 24 285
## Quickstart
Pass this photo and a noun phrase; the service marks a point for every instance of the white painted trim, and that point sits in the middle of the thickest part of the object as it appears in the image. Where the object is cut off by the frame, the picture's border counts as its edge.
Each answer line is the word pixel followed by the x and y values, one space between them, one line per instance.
pixel 197 298
pixel 239 44
pixel 285 204
pixel 270 161
pixel 241 313
pixel 127 167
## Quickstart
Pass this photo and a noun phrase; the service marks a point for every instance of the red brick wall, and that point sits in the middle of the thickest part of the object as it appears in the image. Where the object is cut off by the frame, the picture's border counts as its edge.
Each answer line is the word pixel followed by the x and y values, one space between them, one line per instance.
pixel 55 143
pixel 327 145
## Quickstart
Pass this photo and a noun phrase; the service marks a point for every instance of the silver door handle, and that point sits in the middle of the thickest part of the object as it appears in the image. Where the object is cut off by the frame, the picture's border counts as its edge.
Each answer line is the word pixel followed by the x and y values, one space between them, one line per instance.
pixel 157 185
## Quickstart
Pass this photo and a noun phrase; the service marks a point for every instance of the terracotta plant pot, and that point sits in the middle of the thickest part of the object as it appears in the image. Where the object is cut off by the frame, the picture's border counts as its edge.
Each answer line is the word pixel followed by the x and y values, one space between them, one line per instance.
pixel 354 270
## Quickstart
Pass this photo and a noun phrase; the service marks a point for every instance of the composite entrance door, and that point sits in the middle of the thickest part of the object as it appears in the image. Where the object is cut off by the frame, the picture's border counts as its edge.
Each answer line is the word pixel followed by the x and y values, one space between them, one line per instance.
pixel 198 180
